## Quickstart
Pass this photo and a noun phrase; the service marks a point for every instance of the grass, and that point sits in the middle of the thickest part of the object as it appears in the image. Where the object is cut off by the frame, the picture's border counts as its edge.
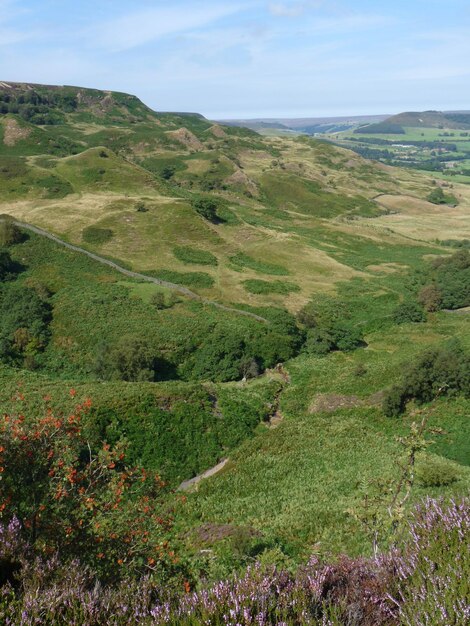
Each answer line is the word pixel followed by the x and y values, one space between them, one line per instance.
pixel 308 469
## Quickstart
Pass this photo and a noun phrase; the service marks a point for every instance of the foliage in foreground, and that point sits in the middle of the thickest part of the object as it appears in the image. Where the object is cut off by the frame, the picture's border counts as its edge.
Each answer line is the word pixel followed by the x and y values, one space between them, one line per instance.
pixel 69 496
pixel 423 582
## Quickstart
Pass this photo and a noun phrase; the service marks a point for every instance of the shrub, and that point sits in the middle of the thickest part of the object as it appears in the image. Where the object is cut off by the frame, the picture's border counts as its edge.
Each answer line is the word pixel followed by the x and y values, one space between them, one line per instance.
pixel 328 326
pixel 189 279
pixel 409 312
pixel 207 208
pixel 437 196
pixel 423 581
pixel 24 323
pixel 430 297
pixel 436 372
pixel 158 300
pixel 436 471
pixel 8 267
pixel 97 236
pixel 81 501
pixel 131 360
pixel 9 233
pixel 241 260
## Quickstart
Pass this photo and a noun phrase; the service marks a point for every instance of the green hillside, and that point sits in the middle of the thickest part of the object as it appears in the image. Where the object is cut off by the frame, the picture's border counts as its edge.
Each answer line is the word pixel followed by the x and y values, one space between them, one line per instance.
pixel 318 280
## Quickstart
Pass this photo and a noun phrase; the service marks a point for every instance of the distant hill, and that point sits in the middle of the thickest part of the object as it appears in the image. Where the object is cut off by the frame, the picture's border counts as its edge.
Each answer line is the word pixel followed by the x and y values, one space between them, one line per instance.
pixel 307 125
pixel 424 119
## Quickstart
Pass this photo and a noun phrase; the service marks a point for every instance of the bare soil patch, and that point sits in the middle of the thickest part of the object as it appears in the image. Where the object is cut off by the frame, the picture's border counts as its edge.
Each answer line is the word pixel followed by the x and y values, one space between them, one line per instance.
pixel 13 132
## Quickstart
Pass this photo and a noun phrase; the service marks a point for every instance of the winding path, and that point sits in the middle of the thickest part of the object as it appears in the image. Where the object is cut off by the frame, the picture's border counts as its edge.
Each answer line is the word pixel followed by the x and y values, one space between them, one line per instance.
pixel 150 279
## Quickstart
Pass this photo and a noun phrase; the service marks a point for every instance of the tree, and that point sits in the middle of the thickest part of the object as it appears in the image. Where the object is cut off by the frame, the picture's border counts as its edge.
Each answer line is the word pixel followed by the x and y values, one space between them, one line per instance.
pixel 8 268
pixel 81 500
pixel 24 323
pixel 409 312
pixel 168 172
pixel 207 208
pixel 430 297
pixel 329 326
pixel 158 300
pixel 9 233
pixel 131 359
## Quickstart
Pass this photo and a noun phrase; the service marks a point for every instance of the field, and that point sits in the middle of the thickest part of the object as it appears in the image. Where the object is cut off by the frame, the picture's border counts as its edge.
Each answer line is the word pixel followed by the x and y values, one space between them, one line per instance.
pixel 443 151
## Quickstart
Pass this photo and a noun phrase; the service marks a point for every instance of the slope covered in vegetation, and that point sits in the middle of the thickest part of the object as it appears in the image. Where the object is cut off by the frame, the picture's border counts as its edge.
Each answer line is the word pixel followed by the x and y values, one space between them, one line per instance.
pixel 340 404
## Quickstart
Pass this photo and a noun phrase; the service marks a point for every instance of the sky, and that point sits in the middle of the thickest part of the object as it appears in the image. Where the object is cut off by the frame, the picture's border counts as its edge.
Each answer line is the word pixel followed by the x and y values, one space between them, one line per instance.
pixel 246 59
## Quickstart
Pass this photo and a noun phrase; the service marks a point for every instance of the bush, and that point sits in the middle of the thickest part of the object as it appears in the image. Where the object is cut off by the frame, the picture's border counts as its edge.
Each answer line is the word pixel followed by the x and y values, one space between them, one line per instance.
pixel 409 312
pixel 24 323
pixel 436 471
pixel 8 268
pixel 436 372
pixel 97 236
pixel 328 326
pixel 189 279
pixel 83 502
pixel 431 298
pixel 131 360
pixel 447 282
pixel 158 300
pixel 207 208
pixel 437 196
pixel 9 233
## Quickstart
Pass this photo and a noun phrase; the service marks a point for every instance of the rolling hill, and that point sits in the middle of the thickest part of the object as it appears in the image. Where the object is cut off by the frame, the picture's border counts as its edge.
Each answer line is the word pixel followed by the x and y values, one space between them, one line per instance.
pixel 325 249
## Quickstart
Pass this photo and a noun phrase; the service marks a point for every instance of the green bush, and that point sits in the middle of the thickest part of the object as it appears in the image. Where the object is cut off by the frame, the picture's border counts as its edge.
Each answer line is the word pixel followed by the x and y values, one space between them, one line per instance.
pixel 207 208
pixel 10 234
pixel 436 372
pixel 437 196
pixel 8 268
pixel 409 312
pixel 445 283
pixel 436 471
pixel 96 235
pixel 329 326
pixel 24 323
pixel 241 260
pixel 131 360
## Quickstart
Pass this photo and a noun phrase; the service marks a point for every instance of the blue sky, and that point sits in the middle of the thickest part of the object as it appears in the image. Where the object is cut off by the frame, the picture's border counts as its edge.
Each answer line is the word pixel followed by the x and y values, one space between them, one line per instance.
pixel 258 58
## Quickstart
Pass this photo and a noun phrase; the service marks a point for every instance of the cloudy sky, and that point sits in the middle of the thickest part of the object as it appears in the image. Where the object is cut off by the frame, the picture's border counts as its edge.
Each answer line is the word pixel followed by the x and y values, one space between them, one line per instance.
pixel 253 58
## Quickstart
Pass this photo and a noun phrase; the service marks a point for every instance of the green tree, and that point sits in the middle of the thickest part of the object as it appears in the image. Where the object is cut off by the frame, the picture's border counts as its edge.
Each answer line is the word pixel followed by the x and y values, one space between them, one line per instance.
pixel 131 360
pixel 207 208
pixel 9 233
pixel 409 312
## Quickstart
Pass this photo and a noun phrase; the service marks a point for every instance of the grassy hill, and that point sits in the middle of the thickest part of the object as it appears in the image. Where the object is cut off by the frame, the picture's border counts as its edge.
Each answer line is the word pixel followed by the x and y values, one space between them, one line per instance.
pixel 262 225
pixel 275 195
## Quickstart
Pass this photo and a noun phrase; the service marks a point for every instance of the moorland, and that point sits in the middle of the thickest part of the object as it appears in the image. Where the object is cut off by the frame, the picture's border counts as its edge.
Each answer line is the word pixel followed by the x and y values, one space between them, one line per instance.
pixel 301 314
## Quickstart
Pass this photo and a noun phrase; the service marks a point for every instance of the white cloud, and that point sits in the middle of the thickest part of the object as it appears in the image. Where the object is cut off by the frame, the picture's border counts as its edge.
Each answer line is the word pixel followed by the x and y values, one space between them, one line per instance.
pixel 135 29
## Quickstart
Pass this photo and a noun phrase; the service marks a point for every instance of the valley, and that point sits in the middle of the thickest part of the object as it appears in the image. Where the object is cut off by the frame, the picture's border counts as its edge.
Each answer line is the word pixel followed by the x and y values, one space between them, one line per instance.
pixel 278 307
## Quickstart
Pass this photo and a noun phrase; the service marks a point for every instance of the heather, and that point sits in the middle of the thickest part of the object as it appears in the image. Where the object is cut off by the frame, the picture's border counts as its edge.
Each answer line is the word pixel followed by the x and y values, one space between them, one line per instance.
pixel 422 580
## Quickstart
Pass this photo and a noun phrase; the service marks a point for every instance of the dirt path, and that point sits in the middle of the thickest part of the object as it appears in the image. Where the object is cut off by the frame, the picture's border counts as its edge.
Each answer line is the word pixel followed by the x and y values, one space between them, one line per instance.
pixel 187 485
pixel 137 275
